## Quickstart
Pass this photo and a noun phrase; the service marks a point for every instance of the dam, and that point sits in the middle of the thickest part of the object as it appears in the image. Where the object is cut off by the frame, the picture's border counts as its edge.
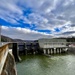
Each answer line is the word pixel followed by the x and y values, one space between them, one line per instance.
pixel 7 62
pixel 33 59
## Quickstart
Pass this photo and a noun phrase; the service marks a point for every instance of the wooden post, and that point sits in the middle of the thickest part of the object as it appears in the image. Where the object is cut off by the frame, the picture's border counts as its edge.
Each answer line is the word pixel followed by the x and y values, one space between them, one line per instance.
pixel 15 52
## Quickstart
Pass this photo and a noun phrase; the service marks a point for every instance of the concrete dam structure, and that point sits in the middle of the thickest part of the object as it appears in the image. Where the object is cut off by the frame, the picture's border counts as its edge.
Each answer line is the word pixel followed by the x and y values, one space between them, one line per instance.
pixel 53 46
pixel 42 46
pixel 7 62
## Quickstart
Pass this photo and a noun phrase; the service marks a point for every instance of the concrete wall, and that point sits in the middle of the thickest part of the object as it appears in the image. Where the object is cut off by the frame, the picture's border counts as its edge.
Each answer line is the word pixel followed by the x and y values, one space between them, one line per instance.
pixel 51 43
pixel 9 67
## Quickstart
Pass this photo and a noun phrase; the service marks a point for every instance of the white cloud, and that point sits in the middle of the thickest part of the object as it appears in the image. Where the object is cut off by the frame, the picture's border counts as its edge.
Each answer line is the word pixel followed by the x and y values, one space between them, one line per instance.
pixel 46 15
pixel 23 33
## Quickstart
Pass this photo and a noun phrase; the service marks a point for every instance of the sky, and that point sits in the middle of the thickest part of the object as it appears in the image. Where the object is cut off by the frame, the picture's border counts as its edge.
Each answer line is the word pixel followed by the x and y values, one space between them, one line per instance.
pixel 34 19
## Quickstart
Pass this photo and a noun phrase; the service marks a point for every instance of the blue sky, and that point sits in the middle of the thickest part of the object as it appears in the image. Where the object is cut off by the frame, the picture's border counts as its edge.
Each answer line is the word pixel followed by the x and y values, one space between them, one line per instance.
pixel 34 19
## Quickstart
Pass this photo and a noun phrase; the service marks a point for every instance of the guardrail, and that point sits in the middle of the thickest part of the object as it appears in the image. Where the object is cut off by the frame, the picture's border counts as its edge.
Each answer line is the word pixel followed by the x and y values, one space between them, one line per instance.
pixel 3 55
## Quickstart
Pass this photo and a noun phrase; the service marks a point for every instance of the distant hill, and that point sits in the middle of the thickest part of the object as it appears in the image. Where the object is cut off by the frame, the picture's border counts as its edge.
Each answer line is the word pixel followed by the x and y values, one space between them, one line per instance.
pixel 18 40
pixel 68 39
pixel 6 39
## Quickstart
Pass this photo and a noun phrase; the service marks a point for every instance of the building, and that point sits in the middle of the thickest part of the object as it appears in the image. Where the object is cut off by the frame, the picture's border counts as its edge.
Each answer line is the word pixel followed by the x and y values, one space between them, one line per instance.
pixel 52 46
pixel 28 48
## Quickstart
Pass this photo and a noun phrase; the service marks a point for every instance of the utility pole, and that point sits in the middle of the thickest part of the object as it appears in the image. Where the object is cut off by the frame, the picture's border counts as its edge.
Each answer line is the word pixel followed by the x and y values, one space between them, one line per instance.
pixel 0 32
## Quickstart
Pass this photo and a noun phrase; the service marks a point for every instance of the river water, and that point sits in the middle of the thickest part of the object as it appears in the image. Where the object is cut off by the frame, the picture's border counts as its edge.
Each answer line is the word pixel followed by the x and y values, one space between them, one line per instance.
pixel 42 65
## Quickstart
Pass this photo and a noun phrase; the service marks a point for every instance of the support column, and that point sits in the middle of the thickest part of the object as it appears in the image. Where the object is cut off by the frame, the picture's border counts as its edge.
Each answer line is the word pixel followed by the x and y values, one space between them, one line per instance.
pixel 48 51
pixel 44 50
pixel 15 52
pixel 51 51
pixel 25 49
pixel 57 50
pixel 60 50
pixel 54 50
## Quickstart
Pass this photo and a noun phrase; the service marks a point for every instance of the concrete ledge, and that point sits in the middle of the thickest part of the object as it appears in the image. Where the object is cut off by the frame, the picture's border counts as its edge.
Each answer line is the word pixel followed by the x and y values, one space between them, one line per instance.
pixel 9 66
pixel 3 55
pixel 3 61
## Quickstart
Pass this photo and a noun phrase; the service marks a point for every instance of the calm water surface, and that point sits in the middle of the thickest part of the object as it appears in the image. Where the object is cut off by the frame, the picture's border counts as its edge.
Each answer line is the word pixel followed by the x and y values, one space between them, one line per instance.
pixel 42 65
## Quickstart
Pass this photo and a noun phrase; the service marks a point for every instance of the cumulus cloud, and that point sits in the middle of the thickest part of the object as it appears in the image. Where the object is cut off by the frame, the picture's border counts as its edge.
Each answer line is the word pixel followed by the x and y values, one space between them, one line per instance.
pixel 44 14
pixel 23 33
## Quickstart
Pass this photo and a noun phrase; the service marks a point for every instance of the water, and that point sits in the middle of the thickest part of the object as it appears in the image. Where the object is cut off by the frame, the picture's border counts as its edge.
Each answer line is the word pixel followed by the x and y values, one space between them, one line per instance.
pixel 42 65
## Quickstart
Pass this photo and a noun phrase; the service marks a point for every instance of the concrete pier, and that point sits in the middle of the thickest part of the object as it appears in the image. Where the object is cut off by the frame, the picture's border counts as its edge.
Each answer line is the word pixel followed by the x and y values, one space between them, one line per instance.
pixel 53 50
pixel 53 46
pixel 15 52
pixel 44 51
pixel 48 51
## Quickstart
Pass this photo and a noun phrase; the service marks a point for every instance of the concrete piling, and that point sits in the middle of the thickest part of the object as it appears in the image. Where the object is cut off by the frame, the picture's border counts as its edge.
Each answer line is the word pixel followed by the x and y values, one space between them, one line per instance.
pixel 15 52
